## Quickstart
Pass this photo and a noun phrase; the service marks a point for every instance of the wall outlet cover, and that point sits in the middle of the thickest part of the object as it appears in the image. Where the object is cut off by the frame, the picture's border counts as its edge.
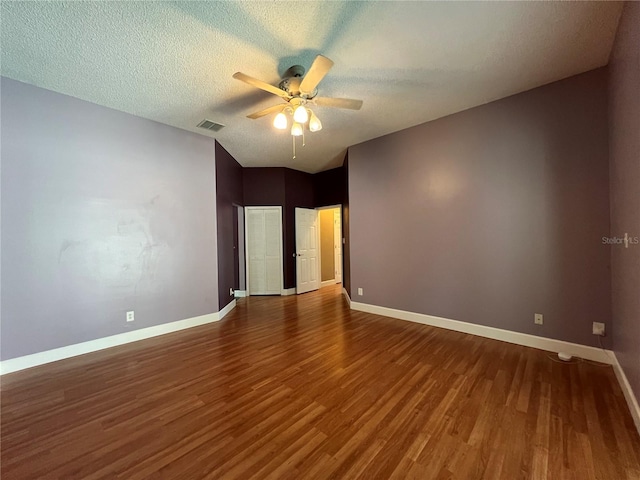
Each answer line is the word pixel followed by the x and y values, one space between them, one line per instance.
pixel 598 329
pixel 130 316
pixel 538 319
pixel 360 291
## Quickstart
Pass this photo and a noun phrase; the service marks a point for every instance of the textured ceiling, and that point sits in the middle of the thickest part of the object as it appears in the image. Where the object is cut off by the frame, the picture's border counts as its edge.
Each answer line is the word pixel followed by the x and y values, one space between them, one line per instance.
pixel 409 61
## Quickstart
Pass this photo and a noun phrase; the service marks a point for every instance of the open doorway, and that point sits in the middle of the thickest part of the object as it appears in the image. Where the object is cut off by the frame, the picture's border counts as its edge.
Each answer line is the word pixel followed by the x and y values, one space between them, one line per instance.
pixel 330 220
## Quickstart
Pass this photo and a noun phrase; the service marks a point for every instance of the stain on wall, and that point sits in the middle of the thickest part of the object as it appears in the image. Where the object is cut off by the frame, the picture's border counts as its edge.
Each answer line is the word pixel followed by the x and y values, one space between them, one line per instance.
pixel 100 217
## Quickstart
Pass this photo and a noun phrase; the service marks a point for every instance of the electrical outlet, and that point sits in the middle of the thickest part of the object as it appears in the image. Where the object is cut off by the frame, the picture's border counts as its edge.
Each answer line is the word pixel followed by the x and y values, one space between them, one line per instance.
pixel 230 292
pixel 598 329
pixel 130 316
pixel 360 292
pixel 537 319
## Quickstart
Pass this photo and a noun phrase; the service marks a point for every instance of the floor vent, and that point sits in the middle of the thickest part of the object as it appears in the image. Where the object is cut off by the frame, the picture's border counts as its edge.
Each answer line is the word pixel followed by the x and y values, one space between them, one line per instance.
pixel 209 125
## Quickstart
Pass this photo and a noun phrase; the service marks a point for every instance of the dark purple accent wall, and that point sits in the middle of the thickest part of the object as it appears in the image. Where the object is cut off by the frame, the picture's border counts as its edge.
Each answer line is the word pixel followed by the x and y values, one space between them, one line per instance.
pixel 102 212
pixel 229 193
pixel 492 214
pixel 624 148
pixel 263 186
pixel 330 187
pixel 286 188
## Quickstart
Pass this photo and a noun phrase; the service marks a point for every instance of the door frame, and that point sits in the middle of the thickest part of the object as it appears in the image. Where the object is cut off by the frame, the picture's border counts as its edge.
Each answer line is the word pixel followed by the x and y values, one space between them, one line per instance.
pixel 241 250
pixel 236 248
pixel 331 207
pixel 246 246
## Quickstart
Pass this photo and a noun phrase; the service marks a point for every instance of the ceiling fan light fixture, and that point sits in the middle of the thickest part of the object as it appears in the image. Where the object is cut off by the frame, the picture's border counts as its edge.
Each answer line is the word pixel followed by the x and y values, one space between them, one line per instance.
pixel 296 129
pixel 297 91
pixel 280 122
pixel 300 114
pixel 314 122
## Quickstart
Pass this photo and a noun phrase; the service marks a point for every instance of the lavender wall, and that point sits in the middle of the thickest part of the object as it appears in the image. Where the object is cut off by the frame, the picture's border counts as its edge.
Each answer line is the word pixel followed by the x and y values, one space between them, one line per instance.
pixel 102 212
pixel 491 215
pixel 624 148
pixel 229 193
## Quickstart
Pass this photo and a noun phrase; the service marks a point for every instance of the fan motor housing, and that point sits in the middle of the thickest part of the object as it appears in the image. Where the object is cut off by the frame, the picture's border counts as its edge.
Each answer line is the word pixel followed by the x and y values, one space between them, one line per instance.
pixel 291 83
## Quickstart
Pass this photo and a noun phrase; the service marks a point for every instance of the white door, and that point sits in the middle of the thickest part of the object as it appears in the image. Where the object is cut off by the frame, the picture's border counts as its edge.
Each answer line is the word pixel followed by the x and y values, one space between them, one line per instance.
pixel 307 250
pixel 337 244
pixel 263 233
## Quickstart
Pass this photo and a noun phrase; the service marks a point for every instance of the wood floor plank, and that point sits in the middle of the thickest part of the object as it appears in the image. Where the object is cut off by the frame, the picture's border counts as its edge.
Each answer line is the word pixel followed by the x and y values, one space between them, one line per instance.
pixel 301 387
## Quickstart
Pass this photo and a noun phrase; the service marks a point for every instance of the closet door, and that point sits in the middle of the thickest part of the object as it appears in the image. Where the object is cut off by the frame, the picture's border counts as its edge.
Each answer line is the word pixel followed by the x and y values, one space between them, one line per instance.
pixel 264 250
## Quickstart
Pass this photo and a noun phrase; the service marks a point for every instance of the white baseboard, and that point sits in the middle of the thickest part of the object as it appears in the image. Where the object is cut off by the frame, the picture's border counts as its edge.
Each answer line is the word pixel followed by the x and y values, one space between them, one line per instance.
pixel 288 291
pixel 629 396
pixel 239 293
pixel 346 295
pixel 35 359
pixel 227 308
pixel 549 344
pixel 327 283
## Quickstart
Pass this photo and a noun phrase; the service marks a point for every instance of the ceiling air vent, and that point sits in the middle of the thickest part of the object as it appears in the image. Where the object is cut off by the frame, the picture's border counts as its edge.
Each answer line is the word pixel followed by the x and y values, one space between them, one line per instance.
pixel 209 125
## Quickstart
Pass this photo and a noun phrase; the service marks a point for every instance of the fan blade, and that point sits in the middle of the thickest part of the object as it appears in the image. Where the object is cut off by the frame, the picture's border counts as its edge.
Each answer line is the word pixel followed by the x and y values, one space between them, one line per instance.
pixel 267 111
pixel 260 84
pixel 338 103
pixel 319 68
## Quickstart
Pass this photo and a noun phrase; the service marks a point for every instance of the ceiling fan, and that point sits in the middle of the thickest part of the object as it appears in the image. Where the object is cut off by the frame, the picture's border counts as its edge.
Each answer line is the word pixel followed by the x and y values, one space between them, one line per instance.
pixel 299 93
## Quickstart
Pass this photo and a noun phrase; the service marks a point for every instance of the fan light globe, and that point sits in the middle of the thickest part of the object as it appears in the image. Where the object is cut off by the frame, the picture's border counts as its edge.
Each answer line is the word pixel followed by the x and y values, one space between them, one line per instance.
pixel 296 129
pixel 300 114
pixel 280 122
pixel 314 122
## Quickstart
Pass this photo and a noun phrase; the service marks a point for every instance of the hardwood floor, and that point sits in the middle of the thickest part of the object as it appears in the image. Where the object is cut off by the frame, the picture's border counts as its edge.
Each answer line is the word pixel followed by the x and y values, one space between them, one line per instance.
pixel 304 388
